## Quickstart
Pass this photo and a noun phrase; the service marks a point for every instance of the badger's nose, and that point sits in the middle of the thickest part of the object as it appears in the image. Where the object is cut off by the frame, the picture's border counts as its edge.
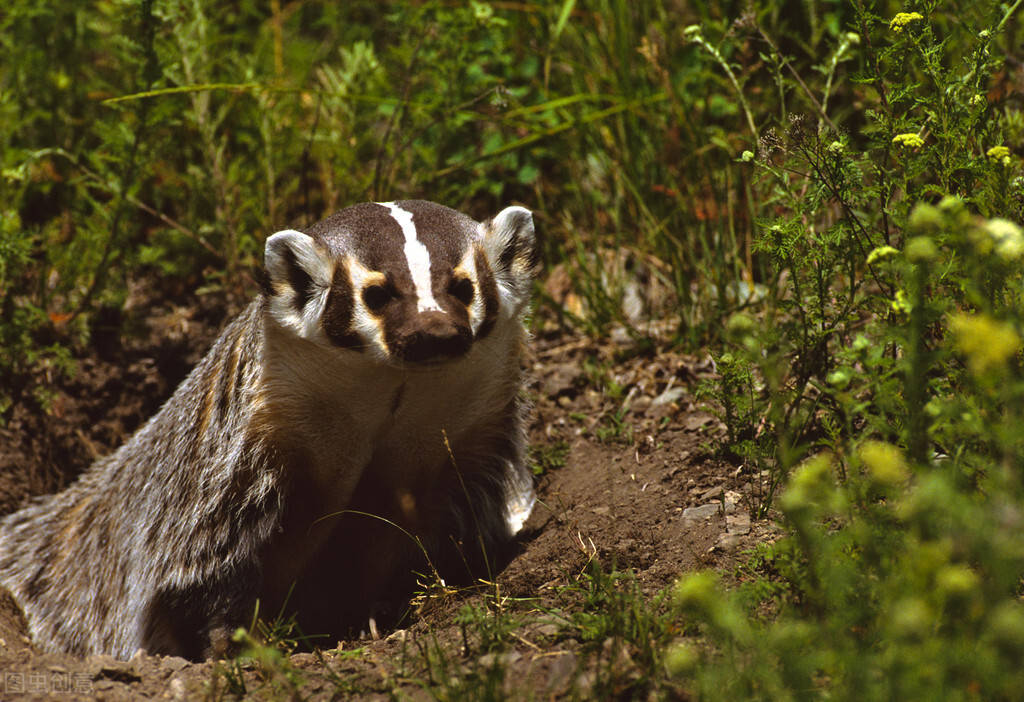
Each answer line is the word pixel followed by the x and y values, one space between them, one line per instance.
pixel 435 336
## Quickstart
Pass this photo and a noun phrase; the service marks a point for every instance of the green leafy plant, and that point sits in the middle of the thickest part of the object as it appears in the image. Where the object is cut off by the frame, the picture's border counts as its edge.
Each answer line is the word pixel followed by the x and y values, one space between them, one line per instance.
pixel 888 371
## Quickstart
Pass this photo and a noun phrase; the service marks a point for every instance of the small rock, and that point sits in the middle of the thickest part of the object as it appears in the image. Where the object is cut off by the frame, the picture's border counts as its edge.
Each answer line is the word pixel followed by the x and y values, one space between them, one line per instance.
pixel 640 405
pixel 100 661
pixel 303 659
pixel 585 681
pixel 620 336
pixel 173 663
pixel 702 512
pixel 727 542
pixel 547 629
pixel 489 660
pixel 738 523
pixel 732 499
pixel 711 493
pixel 561 381
pixel 176 689
pixel 103 667
pixel 398 635
pixel 668 397
pixel 561 672
pixel 696 421
pixel 617 652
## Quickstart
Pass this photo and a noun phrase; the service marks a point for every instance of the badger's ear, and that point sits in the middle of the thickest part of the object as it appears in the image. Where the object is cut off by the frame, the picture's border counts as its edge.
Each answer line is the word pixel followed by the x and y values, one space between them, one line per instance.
pixel 298 274
pixel 510 245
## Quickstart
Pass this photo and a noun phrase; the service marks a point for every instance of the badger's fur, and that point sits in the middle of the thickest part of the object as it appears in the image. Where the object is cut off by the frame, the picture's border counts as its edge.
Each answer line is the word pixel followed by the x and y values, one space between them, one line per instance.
pixel 378 374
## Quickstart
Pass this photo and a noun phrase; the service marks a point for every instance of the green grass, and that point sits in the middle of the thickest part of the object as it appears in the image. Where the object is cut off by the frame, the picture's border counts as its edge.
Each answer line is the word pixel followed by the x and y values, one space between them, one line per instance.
pixel 834 192
pixel 547 457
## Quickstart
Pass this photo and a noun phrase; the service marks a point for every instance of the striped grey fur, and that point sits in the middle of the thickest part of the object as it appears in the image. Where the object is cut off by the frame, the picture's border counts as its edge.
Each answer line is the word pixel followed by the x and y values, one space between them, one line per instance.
pixel 343 389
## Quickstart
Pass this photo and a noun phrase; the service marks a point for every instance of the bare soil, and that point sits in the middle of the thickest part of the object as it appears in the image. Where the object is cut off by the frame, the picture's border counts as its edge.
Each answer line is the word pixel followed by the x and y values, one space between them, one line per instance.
pixel 628 481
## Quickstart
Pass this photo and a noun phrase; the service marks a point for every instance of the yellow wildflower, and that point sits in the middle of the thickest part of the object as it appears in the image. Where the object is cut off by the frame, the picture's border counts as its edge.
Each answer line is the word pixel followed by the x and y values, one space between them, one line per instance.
pixel 951 204
pixel 925 218
pixel 902 19
pixel 881 252
pixel 987 343
pixel 956 580
pixel 921 248
pixel 1007 238
pixel 884 462
pixel 901 303
pixel 998 153
pixel 910 140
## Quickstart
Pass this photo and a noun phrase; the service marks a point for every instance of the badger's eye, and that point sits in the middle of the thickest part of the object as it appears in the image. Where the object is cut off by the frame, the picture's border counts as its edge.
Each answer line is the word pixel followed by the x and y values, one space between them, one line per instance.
pixel 462 290
pixel 376 297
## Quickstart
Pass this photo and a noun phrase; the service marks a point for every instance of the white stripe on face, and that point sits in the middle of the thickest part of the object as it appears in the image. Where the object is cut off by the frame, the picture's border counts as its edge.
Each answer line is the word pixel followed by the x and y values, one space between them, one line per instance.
pixel 477 310
pixel 364 323
pixel 417 257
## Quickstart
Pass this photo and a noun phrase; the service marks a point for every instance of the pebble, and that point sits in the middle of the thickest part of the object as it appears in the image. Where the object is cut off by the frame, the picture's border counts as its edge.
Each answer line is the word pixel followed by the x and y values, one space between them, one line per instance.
pixel 176 690
pixel 668 397
pixel 174 663
pixel 702 512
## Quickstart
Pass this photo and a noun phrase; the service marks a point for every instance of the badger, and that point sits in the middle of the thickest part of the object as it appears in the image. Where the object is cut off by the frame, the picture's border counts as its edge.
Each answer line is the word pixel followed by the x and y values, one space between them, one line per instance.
pixel 362 420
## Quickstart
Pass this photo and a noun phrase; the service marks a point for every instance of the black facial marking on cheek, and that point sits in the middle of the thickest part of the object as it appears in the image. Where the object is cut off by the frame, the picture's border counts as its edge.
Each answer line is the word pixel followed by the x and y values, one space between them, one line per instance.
pixel 376 297
pixel 337 317
pixel 300 281
pixel 488 292
pixel 462 290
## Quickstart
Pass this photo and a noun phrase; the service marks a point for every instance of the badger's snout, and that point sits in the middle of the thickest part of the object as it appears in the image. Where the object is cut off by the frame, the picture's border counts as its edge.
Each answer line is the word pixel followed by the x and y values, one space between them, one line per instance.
pixel 433 336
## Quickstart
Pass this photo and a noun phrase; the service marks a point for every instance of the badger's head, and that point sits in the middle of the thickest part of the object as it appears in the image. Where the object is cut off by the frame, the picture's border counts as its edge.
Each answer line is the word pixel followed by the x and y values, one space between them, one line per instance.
pixel 408 282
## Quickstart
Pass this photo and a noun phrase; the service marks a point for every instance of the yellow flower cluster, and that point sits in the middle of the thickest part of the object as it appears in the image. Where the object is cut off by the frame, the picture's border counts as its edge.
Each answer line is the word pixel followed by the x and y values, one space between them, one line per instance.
pixel 987 343
pixel 1007 238
pixel 1000 154
pixel 909 140
pixel 883 462
pixel 881 252
pixel 902 19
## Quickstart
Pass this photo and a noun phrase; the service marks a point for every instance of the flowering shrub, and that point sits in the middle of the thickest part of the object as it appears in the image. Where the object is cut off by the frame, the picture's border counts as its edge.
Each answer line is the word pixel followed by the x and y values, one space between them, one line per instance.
pixel 883 397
